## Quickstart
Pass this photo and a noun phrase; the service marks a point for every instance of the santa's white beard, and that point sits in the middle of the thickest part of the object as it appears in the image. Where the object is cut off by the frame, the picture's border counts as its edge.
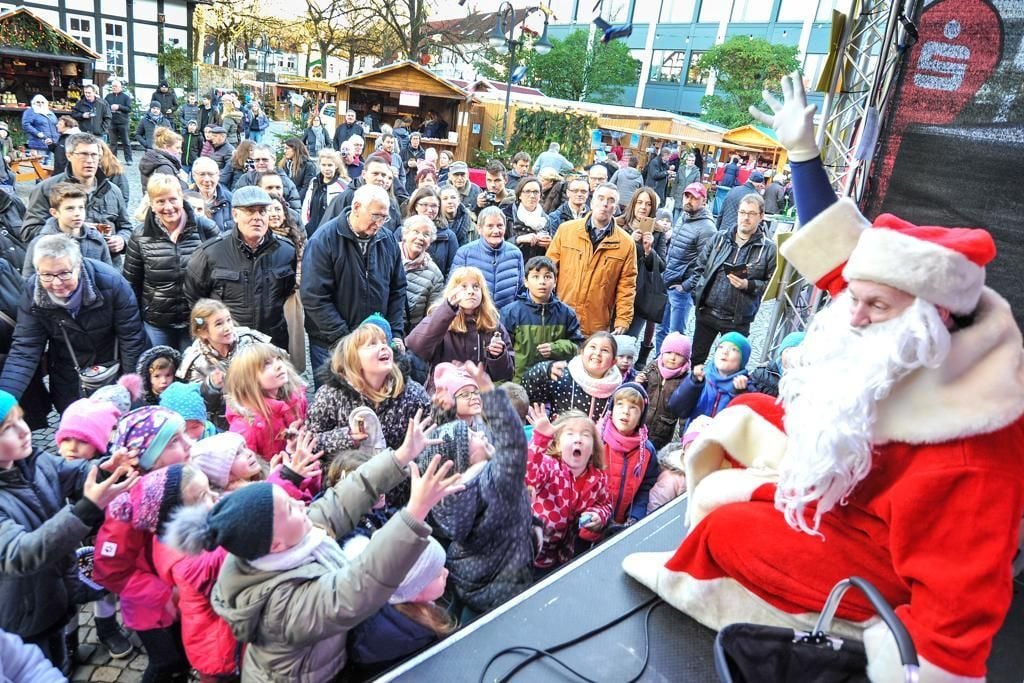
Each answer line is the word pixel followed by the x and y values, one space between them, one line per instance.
pixel 831 395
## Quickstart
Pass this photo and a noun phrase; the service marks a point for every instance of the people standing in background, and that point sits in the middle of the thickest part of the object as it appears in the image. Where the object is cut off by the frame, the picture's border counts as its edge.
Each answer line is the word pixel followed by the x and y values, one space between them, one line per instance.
pixel 167 99
pixel 92 113
pixel 120 104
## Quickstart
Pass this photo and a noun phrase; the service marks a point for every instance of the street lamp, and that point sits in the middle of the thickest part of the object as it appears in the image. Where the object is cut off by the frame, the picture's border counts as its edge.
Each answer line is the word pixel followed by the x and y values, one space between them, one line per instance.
pixel 503 39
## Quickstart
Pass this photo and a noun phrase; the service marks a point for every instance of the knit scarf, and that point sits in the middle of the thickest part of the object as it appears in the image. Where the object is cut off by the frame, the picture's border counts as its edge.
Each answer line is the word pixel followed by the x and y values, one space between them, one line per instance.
pixel 317 546
pixel 670 374
pixel 618 441
pixel 601 387
pixel 535 220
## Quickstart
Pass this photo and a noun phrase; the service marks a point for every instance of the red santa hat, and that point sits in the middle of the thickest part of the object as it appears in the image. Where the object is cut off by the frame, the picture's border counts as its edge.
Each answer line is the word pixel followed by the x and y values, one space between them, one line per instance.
pixel 944 266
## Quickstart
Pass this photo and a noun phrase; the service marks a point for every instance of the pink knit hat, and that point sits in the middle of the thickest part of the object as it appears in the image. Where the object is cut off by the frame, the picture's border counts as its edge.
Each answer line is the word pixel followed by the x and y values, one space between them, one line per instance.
pixel 676 342
pixel 215 455
pixel 452 378
pixel 698 425
pixel 89 420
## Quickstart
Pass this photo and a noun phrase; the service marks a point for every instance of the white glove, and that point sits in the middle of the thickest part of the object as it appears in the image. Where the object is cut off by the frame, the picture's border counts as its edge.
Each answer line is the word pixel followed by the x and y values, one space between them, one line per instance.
pixel 793 120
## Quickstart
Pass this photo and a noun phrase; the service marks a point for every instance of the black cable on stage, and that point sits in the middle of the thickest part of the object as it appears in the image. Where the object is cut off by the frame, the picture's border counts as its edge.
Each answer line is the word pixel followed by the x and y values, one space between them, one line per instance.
pixel 538 653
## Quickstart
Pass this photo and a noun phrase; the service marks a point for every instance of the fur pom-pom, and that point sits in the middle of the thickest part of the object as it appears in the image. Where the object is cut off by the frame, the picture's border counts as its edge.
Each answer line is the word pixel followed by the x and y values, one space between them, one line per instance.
pixel 133 383
pixel 671 457
pixel 189 530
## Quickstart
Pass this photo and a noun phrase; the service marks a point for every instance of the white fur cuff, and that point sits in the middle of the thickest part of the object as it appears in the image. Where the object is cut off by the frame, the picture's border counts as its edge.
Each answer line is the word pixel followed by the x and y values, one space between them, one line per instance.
pixel 884 664
pixel 826 241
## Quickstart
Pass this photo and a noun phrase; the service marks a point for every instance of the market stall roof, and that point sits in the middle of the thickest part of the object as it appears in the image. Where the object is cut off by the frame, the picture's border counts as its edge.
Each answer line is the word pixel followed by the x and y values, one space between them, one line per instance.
pixel 488 85
pixel 301 83
pixel 23 34
pixel 759 137
pixel 709 138
pixel 599 110
pixel 404 75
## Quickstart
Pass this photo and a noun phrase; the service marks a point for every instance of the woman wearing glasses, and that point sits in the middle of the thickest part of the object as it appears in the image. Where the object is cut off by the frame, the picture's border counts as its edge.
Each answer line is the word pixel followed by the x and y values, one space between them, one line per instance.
pixel 71 306
pixel 530 225
pixel 157 256
pixel 426 202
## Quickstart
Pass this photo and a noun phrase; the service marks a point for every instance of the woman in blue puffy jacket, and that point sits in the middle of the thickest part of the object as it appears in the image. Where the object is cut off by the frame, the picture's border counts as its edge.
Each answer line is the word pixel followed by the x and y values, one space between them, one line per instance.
pixel 40 126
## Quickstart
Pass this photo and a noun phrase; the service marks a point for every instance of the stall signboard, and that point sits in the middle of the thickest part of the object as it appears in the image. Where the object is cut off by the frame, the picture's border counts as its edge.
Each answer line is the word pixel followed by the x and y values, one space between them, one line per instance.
pixel 408 99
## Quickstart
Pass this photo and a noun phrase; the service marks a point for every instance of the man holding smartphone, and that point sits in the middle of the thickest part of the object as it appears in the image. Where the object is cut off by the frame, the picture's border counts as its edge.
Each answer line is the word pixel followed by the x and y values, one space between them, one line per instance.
pixel 731 274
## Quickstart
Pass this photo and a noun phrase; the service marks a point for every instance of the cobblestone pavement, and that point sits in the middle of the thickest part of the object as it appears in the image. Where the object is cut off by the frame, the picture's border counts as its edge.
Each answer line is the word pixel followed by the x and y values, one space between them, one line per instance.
pixel 96 664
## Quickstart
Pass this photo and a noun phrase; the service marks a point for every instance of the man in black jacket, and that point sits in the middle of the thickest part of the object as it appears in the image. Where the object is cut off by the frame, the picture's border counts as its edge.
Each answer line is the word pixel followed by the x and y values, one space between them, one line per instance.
pixel 351 268
pixel 168 101
pixel 731 274
pixel 263 161
pixel 92 113
pixel 689 238
pixel 346 129
pixel 120 104
pixel 658 174
pixel 250 269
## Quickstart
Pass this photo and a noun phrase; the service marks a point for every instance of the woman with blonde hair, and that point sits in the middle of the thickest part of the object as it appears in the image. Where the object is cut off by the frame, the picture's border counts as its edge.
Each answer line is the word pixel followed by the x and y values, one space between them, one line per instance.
pixel 215 340
pixel 364 381
pixel 163 157
pixel 464 326
pixel 156 257
pixel 328 184
pixel 266 398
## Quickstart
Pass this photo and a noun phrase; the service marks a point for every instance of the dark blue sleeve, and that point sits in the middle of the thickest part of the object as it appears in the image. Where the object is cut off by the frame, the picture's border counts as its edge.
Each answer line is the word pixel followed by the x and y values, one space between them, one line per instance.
pixel 684 399
pixel 811 189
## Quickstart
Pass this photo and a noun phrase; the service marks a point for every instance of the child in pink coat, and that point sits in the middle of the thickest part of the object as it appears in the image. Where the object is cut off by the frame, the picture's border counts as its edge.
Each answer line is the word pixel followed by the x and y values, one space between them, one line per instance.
pixel 565 470
pixel 266 399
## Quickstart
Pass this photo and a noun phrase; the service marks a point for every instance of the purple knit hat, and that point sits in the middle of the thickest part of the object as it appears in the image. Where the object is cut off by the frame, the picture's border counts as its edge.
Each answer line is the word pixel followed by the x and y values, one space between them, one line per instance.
pixel 148 429
pixel 150 502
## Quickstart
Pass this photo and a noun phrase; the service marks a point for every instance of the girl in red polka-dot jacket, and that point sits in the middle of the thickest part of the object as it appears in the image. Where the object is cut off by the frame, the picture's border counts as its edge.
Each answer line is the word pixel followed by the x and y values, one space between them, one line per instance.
pixel 565 470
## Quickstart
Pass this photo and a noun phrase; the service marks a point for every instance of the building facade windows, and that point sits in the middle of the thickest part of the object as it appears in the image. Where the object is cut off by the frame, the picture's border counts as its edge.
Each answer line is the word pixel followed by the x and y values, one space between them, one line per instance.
pixel 667 66
pixel 751 11
pixel 797 10
pixel 114 47
pixel 713 11
pixel 693 73
pixel 80 29
pixel 677 11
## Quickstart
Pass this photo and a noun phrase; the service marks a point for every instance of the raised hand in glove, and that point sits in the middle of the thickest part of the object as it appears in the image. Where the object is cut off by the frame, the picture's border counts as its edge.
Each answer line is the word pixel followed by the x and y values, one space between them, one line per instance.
pixel 792 119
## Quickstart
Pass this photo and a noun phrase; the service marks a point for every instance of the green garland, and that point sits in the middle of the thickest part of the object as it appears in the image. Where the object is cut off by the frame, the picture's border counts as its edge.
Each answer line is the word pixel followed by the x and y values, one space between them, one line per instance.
pixel 534 130
pixel 23 32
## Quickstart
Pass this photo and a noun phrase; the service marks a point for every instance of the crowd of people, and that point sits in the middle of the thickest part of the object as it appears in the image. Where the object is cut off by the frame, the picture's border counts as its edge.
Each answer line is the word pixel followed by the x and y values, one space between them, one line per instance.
pixel 502 380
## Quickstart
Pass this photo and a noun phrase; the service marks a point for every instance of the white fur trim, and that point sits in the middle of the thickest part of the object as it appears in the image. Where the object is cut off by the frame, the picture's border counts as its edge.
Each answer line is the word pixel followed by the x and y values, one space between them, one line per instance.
pixel 724 487
pixel 884 664
pixel 743 434
pixel 978 389
pixel 826 241
pixel 927 270
pixel 716 603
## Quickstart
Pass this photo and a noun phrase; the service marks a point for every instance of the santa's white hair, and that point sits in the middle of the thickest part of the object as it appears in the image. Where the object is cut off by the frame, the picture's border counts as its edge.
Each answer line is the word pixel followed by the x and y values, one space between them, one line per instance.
pixel 831 395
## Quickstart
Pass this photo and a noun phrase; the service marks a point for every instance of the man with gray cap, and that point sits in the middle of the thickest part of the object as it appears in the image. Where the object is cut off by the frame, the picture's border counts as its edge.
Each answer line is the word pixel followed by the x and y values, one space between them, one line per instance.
pixel 727 217
pixel 250 269
pixel 458 177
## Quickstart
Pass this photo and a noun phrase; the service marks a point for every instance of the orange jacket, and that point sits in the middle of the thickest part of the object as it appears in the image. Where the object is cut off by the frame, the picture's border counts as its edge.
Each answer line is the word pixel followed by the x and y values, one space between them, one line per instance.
pixel 599 284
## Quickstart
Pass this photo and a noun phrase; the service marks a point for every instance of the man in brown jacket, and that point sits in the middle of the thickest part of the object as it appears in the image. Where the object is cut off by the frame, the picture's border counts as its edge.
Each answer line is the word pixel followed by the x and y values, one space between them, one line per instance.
pixel 596 266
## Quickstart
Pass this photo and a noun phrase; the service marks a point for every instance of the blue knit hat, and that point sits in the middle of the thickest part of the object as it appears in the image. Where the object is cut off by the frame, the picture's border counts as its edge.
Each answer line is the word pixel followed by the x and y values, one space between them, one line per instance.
pixel 789 341
pixel 185 400
pixel 7 401
pixel 381 322
pixel 740 342
pixel 242 522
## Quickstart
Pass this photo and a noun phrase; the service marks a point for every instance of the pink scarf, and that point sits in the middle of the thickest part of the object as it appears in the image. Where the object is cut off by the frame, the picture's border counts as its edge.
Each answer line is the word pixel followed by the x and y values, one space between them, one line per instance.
pixel 670 374
pixel 619 441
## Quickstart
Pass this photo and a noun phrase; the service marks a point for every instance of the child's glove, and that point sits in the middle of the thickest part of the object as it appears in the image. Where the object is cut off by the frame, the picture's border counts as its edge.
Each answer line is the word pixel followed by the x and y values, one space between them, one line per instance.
pixel 792 120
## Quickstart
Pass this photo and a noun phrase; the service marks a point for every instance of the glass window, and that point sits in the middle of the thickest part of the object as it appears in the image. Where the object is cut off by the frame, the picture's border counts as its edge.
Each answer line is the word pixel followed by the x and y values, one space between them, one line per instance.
pixel 81 30
pixel 825 9
pixel 677 11
pixel 616 11
pixel 713 11
pixel 693 74
pixel 114 47
pixel 813 64
pixel 563 11
pixel 797 10
pixel 667 66
pixel 645 11
pixel 752 10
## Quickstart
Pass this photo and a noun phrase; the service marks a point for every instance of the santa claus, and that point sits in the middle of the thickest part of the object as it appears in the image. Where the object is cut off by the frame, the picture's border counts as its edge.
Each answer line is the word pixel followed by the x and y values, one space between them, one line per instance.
pixel 896 454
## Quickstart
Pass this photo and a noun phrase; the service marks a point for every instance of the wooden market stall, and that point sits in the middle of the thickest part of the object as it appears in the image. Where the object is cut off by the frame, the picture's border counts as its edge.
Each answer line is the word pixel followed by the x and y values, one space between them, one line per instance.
pixel 406 89
pixel 763 140
pixel 37 57
pixel 316 90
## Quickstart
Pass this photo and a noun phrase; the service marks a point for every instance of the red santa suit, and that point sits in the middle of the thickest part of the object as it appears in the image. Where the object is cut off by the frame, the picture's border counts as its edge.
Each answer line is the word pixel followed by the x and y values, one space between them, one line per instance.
pixel 934 525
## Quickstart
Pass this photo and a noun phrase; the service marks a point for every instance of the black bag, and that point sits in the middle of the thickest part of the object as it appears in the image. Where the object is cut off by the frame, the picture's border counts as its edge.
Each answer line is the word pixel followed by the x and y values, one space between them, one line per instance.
pixel 96 376
pixel 651 293
pixel 752 652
